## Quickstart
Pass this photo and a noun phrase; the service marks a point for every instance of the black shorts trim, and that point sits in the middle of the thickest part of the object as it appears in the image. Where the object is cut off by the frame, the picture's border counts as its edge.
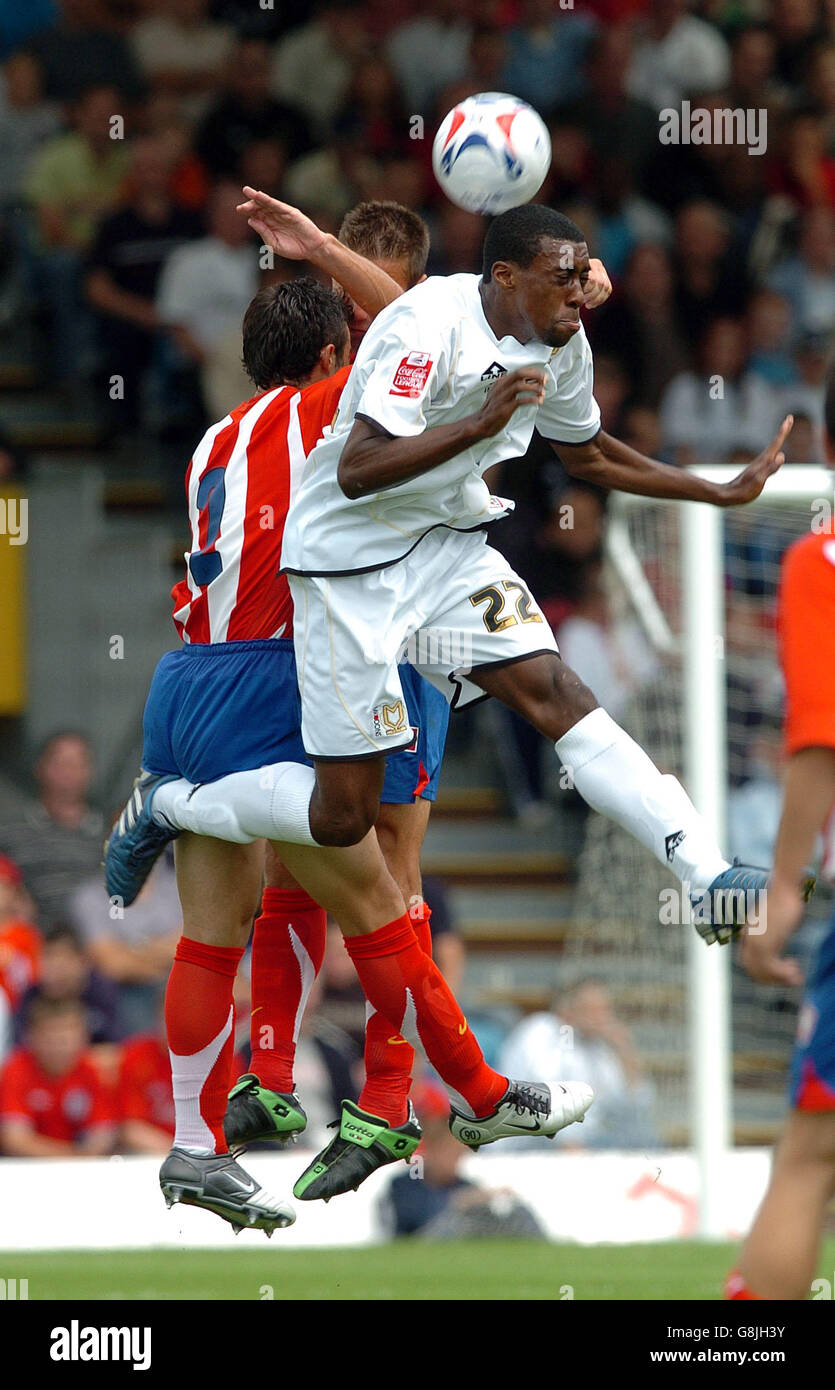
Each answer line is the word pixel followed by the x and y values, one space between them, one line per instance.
pixel 385 564
pixel 361 757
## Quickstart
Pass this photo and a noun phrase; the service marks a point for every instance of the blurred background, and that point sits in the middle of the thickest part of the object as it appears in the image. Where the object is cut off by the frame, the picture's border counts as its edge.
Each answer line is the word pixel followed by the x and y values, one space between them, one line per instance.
pixel 126 130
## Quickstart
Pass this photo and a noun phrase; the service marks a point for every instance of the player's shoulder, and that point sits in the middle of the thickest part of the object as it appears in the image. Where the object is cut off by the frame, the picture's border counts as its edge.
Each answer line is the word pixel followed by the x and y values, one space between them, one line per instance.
pixel 811 555
pixel 439 298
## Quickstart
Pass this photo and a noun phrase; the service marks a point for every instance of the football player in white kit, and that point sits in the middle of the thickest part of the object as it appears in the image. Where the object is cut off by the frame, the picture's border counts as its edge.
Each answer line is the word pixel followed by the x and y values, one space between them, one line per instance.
pixel 386 546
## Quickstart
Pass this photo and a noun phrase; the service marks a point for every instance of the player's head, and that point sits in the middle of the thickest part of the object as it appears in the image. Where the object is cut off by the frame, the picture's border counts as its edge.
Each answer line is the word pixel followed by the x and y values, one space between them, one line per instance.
pixel 829 414
pixel 394 238
pixel 534 269
pixel 294 334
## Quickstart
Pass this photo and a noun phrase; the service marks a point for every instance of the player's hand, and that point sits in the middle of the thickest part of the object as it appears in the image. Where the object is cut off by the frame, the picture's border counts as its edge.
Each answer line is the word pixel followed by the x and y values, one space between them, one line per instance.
pixel 598 286
pixel 282 227
pixel 522 386
pixel 750 482
pixel 761 952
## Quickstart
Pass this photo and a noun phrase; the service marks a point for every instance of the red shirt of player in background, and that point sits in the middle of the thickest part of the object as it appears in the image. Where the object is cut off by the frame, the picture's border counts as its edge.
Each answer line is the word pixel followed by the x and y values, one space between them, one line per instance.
pixel 239 487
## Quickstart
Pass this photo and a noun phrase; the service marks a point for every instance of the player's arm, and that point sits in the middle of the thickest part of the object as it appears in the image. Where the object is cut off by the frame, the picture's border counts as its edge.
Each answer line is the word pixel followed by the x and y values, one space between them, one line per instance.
pixel 141 1137
pixel 373 460
pixel 20 1139
pixel 609 463
pixel 290 234
pixel 109 298
pixel 808 797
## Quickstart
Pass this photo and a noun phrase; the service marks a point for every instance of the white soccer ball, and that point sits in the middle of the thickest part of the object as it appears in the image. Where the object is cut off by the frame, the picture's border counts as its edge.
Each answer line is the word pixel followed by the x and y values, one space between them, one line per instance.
pixel 491 153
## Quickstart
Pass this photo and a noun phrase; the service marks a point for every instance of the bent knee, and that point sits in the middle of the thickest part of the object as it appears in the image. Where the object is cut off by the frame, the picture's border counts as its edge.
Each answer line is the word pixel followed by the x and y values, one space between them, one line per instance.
pixel 341 831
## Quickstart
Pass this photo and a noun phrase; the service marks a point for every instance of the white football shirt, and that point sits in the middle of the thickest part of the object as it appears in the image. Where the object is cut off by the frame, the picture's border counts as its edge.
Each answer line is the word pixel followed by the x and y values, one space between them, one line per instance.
pixel 429 359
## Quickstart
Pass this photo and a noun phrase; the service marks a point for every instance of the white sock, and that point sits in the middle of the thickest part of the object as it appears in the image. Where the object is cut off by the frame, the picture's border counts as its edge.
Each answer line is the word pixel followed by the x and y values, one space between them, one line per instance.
pixel 616 777
pixel 270 801
pixel 189 1075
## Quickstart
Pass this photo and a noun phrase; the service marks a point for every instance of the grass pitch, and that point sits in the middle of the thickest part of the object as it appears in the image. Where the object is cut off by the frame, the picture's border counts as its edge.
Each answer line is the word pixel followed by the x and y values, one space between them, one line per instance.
pixel 402 1271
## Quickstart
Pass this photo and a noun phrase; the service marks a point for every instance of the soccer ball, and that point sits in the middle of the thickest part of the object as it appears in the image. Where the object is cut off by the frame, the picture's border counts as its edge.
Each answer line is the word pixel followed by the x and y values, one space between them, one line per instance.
pixel 491 153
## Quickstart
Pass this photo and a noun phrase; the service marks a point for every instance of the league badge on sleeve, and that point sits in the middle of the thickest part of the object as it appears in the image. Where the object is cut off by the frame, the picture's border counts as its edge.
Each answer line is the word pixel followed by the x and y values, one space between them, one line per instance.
pixel 411 375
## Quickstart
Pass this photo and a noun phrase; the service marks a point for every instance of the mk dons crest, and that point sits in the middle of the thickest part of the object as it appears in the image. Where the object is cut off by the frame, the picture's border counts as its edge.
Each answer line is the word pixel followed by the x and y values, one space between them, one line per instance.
pixel 390 719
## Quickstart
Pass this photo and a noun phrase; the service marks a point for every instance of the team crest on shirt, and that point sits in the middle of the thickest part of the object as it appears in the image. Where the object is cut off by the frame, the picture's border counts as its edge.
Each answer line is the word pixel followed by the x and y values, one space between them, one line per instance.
pixel 411 375
pixel 389 719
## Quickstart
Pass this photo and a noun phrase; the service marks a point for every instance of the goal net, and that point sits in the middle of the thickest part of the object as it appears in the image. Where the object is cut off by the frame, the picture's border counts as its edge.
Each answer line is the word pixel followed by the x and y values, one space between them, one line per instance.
pixel 628 930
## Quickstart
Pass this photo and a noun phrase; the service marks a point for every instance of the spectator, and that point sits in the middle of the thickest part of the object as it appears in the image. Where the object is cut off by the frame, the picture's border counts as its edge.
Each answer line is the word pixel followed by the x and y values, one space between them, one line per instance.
pixel 430 51
pixel 84 50
pixel 66 973
pixel 180 49
pixel 132 948
pixel 434 1200
pixel 805 172
pixel 616 124
pixel 754 806
pixel 752 84
pixel 26 121
pixel 612 658
pixel 56 841
pixel 804 398
pixel 53 1102
pixel 582 1037
pixel 202 296
pixel 822 90
pixel 710 280
pixel 707 415
pixel 20 23
pixel 769 327
pixel 546 55
pixel 371 119
pixel 312 66
pixel 807 278
pixel 640 325
pixel 123 269
pixel 5 1028
pixel 246 112
pixel 74 180
pixel 796 27
pixel 20 940
pixel 410 1205
pixel 676 55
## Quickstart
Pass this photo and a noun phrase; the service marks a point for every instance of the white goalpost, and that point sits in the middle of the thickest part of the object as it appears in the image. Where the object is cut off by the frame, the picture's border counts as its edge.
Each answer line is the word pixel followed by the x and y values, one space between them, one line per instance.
pixel 700 583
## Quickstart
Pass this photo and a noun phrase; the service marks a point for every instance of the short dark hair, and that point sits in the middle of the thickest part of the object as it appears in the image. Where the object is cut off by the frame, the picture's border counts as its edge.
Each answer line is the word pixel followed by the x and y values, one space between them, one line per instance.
pixel 517 235
pixel 286 327
pixel 386 231
pixel 829 403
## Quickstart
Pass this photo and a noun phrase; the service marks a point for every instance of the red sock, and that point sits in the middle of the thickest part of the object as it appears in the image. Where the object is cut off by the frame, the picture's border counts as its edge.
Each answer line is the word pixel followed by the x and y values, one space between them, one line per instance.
pixel 288 947
pixel 200 1023
pixel 405 986
pixel 419 916
pixel 389 1058
pixel 736 1289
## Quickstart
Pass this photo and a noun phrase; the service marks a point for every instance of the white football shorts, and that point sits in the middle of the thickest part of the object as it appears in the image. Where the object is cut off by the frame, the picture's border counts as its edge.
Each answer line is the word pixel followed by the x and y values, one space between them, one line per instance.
pixel 452 605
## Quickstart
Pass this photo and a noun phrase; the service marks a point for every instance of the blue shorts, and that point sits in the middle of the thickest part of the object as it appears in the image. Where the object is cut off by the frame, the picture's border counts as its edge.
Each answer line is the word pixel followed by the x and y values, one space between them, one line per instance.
pixel 813 1059
pixel 215 708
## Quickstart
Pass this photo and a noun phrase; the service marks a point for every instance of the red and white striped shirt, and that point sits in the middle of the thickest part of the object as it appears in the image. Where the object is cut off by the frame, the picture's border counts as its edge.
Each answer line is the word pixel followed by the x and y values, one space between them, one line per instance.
pixel 239 485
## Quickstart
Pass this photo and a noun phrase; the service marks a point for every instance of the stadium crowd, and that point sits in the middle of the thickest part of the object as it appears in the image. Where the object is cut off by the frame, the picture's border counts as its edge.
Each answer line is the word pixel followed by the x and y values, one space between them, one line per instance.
pixel 127 128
